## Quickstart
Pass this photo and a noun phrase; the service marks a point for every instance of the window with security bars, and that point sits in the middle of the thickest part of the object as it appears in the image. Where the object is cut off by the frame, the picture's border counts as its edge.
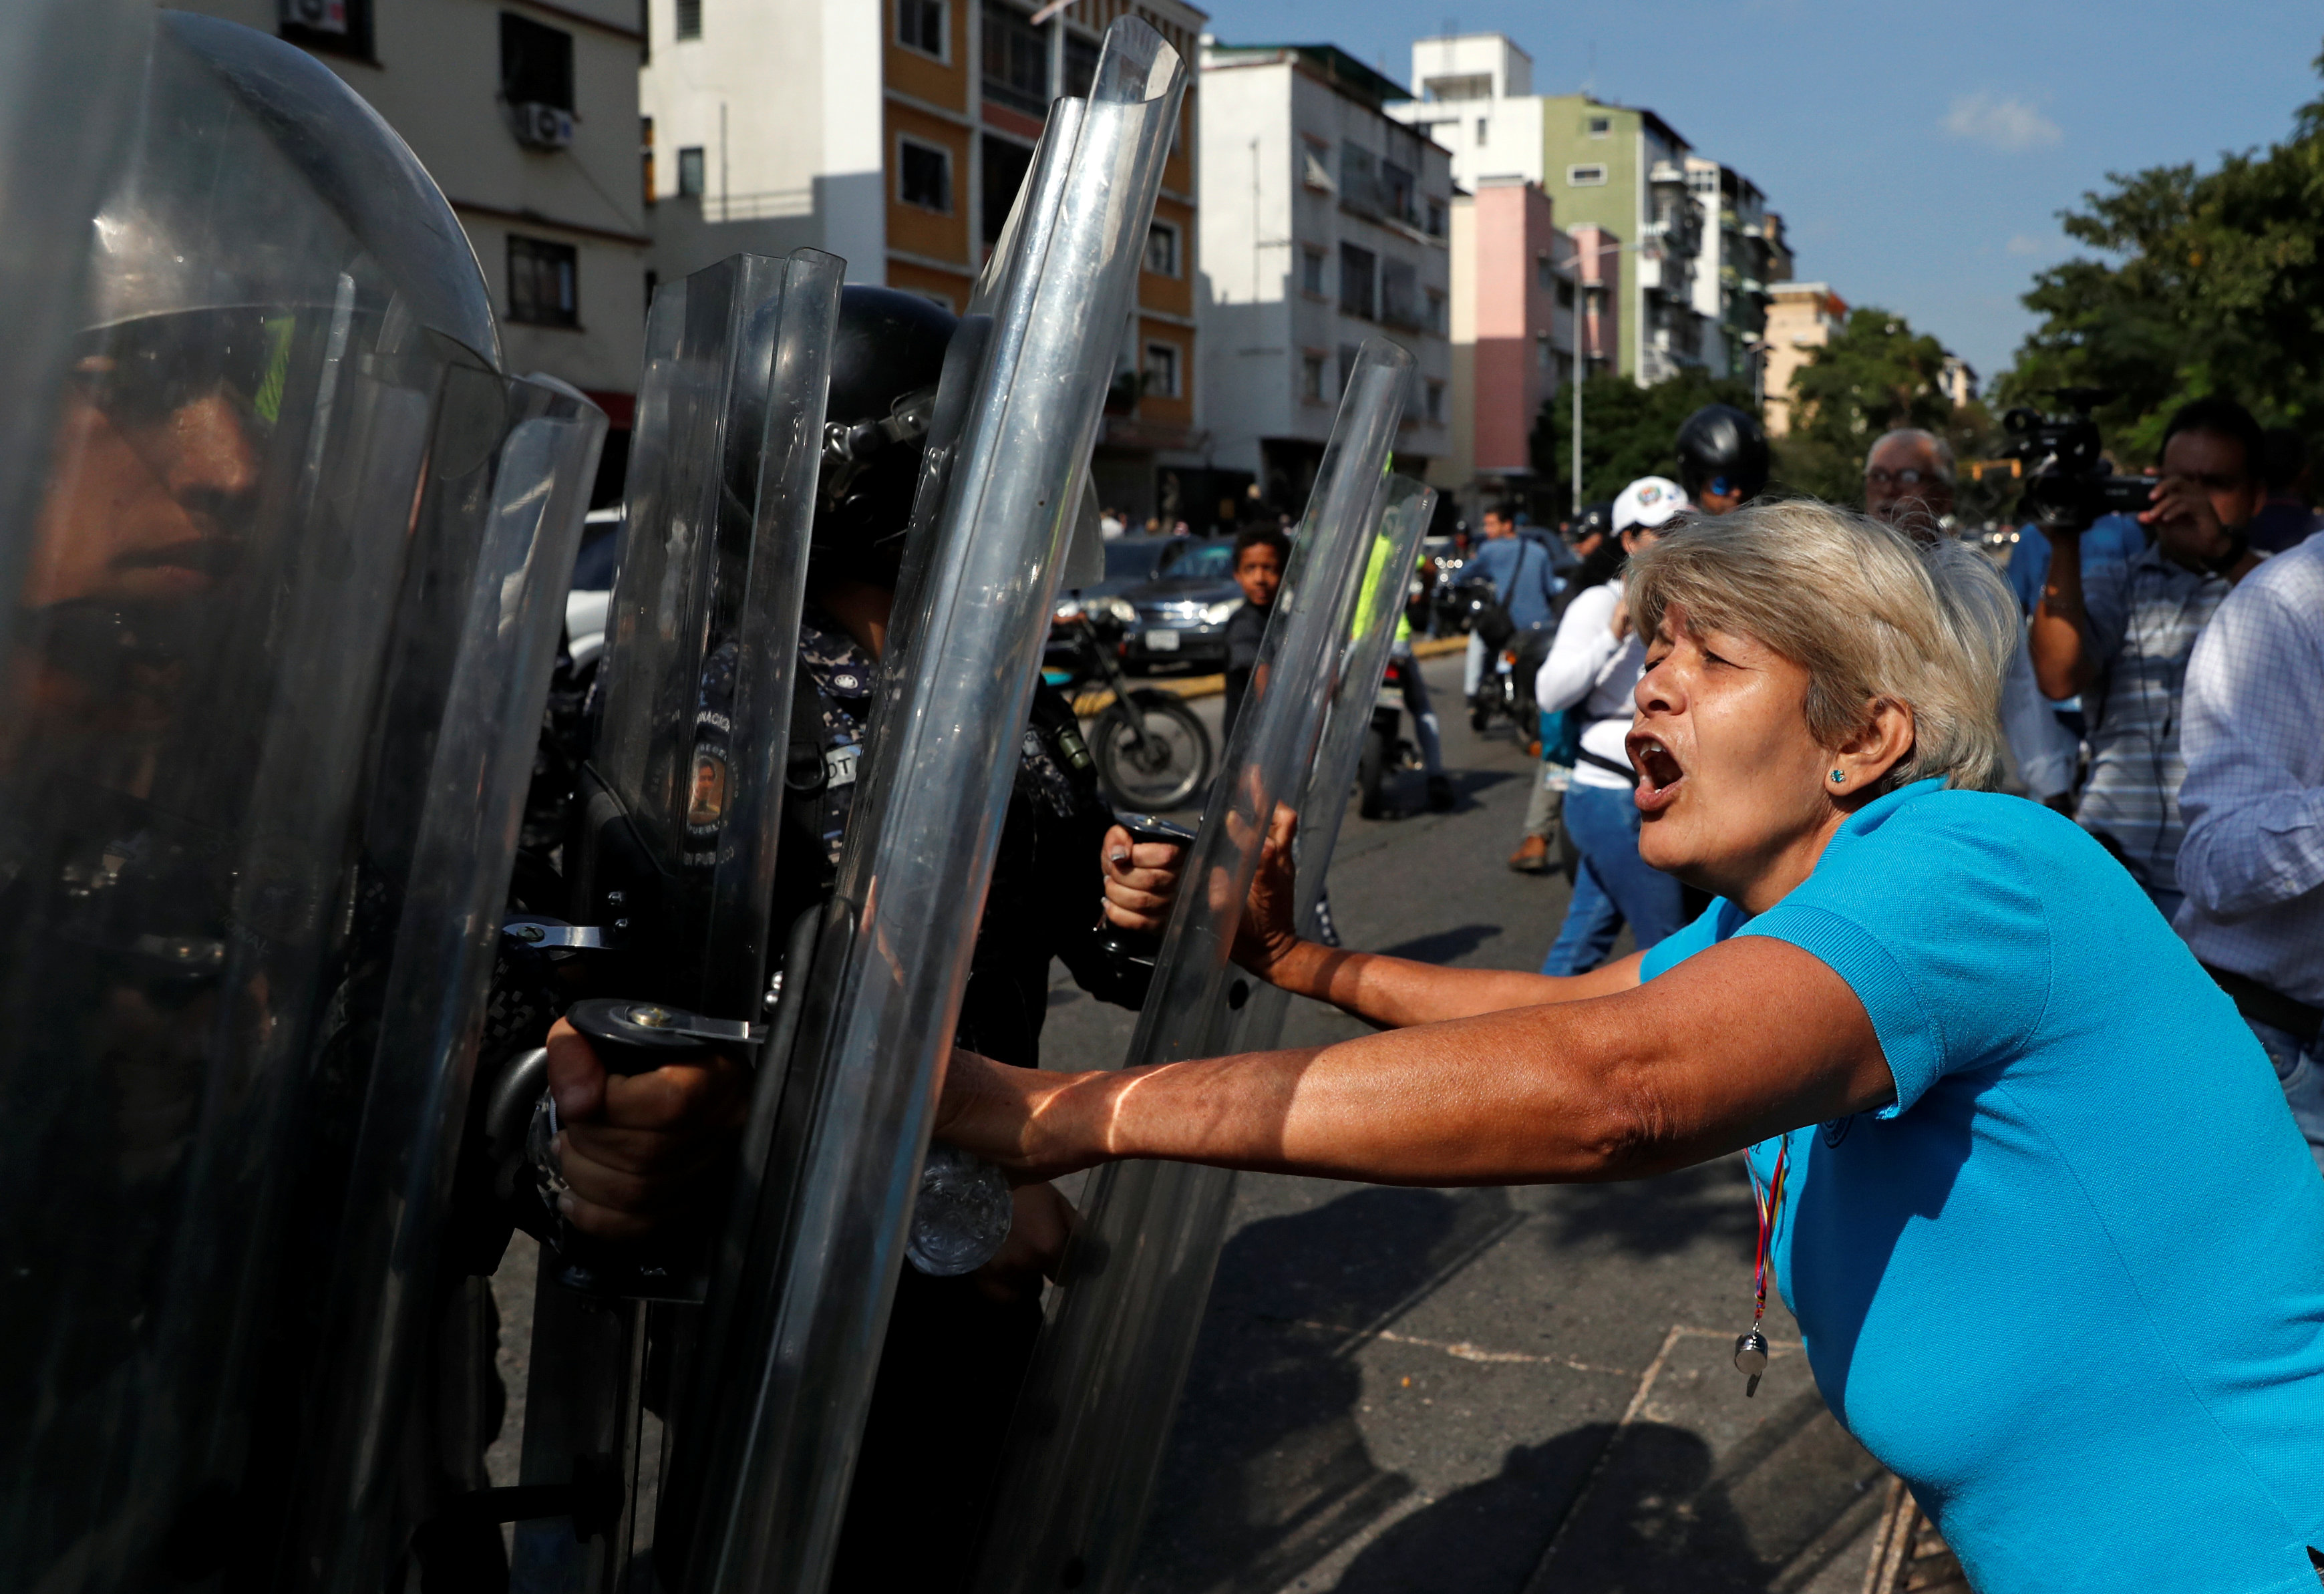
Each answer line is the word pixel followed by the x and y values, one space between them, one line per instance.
pixel 1162 249
pixel 1016 60
pixel 1399 294
pixel 1161 372
pixel 689 19
pixel 920 25
pixel 536 63
pixel 543 282
pixel 1356 292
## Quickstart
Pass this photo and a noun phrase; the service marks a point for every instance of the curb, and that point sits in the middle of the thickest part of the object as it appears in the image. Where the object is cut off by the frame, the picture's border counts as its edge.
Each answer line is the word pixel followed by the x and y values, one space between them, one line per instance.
pixel 1191 686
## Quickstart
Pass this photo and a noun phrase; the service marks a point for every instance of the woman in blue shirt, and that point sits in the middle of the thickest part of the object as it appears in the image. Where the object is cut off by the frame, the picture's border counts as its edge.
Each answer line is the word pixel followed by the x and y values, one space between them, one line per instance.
pixel 2056 1246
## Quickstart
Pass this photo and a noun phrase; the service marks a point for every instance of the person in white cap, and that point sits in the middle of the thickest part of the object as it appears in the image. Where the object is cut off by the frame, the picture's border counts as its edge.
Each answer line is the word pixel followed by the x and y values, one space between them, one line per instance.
pixel 1593 665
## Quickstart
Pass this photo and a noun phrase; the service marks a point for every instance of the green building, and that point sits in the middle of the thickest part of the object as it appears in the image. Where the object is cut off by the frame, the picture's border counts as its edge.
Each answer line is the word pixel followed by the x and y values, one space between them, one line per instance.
pixel 1624 170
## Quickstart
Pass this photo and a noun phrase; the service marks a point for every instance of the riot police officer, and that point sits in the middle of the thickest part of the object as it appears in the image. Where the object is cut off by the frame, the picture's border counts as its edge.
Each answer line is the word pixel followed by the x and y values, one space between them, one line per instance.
pixel 1722 458
pixel 955 1346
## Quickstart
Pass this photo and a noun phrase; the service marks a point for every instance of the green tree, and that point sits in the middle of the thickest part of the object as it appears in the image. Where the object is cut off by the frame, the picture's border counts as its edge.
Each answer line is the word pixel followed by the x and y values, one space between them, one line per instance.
pixel 1876 374
pixel 1628 432
pixel 2213 282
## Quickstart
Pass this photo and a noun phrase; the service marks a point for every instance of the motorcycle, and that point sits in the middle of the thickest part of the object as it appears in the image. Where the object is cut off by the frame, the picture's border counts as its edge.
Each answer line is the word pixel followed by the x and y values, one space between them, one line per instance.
pixel 1386 749
pixel 1507 689
pixel 1152 753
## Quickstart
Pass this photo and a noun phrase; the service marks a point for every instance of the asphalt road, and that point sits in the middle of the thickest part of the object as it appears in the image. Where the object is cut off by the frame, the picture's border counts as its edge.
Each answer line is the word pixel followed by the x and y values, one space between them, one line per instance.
pixel 1494 1391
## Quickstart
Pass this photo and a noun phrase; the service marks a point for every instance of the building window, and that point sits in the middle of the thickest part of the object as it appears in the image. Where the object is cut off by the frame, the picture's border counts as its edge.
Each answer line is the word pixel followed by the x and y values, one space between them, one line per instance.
pixel 1311 272
pixel 1435 218
pixel 1005 166
pixel 543 282
pixel 1162 249
pixel 1347 365
pixel 1585 177
pixel 1359 181
pixel 1601 126
pixel 342 27
pixel 689 19
pixel 1161 376
pixel 1399 293
pixel 1484 129
pixel 1436 312
pixel 1314 166
pixel 1544 273
pixel 1565 294
pixel 919 25
pixel 1016 60
pixel 1543 358
pixel 1311 380
pixel 646 158
pixel 1081 70
pixel 1356 281
pixel 924 175
pixel 1436 404
pixel 536 63
pixel 1400 194
pixel 689 171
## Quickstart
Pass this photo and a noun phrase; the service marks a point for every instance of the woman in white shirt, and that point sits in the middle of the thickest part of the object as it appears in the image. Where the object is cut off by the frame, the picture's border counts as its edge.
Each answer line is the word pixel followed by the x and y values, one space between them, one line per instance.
pixel 1592 668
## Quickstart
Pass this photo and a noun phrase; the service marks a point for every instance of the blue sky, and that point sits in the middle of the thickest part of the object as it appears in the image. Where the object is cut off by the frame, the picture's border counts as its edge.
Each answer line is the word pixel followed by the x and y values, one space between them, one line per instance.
pixel 1919 155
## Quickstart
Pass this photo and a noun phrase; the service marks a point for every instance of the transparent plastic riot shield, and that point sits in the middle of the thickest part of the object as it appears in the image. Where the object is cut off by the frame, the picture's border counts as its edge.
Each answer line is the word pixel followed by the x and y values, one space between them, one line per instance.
pixel 672 856
pixel 68 89
pixel 1097 1402
pixel 827 1233
pixel 297 520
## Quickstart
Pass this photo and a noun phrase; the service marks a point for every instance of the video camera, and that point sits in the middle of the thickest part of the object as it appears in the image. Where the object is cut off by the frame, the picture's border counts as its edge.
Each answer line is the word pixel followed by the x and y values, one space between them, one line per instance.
pixel 2067 480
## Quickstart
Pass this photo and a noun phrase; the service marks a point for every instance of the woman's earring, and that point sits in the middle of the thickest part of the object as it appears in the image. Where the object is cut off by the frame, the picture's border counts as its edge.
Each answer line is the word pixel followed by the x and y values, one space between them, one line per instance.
pixel 1838 778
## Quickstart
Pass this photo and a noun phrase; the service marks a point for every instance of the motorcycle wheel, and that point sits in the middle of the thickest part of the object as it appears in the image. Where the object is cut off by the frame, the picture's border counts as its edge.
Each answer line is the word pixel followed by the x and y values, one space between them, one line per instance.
pixel 1481 713
pixel 1156 763
pixel 1371 773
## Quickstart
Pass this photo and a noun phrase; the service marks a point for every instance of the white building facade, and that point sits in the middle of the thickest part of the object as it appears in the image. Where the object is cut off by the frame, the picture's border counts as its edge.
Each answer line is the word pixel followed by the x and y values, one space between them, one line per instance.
pixel 1338 229
pixel 526 118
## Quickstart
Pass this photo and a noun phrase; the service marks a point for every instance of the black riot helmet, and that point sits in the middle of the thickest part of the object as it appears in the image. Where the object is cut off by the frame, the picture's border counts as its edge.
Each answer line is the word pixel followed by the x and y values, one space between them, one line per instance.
pixel 1722 450
pixel 886 357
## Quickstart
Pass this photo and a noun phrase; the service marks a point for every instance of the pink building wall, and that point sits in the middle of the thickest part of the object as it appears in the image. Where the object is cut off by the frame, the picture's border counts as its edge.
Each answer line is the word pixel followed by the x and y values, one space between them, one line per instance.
pixel 1597 261
pixel 1515 310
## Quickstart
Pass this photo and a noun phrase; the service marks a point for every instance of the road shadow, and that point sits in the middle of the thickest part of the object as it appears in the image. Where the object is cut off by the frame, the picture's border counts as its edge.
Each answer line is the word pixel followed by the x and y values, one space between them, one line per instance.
pixel 1267 1471
pixel 1663 1515
pixel 1655 1217
pixel 1445 946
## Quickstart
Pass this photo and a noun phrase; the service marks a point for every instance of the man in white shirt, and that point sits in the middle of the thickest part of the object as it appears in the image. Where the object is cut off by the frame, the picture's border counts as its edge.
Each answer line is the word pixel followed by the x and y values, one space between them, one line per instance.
pixel 1908 482
pixel 1594 667
pixel 2252 865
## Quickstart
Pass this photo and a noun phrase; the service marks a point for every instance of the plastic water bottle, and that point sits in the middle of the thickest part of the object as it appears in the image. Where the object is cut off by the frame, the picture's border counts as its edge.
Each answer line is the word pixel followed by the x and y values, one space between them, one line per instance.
pixel 962 1216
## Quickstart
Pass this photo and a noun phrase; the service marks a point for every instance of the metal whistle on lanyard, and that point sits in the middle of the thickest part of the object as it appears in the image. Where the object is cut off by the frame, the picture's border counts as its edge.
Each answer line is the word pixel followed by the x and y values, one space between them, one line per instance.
pixel 1751 1345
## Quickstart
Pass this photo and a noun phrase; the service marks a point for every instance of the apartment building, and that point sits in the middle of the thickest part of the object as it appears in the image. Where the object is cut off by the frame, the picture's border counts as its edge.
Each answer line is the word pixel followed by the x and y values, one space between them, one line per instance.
pixel 1624 169
pixel 1735 267
pixel 1801 317
pixel 526 115
pixel 896 133
pixel 1339 229
pixel 1472 93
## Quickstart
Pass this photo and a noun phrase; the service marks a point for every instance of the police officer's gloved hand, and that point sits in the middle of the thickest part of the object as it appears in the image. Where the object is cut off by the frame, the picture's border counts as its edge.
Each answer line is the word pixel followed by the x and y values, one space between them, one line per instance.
pixel 639 1150
pixel 1141 878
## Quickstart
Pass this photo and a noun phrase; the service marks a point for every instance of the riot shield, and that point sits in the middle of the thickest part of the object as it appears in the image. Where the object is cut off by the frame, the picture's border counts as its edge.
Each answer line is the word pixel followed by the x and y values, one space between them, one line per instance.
pixel 671 856
pixel 824 1236
pixel 67 88
pixel 297 520
pixel 1096 1406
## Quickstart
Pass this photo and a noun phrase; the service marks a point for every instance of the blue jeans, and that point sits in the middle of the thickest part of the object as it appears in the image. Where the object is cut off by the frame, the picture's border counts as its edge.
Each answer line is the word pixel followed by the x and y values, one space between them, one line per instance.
pixel 1615 883
pixel 2300 1070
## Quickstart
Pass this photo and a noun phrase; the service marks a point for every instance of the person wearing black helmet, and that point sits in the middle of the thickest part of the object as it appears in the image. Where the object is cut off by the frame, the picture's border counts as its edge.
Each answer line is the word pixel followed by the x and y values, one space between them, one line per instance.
pixel 957 1346
pixel 1722 458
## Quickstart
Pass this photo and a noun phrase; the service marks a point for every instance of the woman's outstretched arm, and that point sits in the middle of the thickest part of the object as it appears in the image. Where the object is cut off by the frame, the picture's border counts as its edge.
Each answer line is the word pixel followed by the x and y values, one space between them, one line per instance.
pixel 1391 992
pixel 1744 1040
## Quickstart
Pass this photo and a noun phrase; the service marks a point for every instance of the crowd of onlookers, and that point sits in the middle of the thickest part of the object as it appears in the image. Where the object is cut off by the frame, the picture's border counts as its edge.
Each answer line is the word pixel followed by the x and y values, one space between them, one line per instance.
pixel 2167 694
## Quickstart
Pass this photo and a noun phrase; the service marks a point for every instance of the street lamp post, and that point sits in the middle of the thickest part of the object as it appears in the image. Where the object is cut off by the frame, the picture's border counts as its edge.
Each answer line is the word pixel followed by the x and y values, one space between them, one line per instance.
pixel 1592 293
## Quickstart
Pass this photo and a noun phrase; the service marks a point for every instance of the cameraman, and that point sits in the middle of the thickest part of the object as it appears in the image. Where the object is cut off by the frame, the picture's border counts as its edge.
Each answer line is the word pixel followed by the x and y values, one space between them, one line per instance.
pixel 2125 644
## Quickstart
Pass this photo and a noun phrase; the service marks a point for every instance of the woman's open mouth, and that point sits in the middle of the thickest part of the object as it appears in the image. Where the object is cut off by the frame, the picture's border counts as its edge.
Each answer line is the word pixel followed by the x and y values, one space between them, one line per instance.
pixel 1659 773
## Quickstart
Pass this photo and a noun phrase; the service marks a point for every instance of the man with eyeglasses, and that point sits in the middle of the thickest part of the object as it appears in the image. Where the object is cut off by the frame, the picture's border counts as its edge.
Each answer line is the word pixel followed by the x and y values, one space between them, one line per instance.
pixel 1908 483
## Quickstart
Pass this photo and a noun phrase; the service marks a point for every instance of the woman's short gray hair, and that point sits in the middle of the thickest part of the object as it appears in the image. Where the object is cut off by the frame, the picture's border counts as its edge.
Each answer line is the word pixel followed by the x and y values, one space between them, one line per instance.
pixel 1868 613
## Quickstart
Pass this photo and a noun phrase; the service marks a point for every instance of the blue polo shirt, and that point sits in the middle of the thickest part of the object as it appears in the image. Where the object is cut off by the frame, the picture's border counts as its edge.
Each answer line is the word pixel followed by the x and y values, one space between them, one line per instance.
pixel 2070 1285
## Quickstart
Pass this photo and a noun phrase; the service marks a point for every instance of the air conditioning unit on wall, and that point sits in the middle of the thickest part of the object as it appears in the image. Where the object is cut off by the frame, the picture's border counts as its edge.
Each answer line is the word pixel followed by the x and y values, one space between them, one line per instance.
pixel 316 17
pixel 542 126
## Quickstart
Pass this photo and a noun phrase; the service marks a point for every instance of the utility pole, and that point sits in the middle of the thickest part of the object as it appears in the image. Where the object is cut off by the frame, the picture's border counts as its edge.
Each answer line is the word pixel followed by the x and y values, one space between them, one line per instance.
pixel 1580 364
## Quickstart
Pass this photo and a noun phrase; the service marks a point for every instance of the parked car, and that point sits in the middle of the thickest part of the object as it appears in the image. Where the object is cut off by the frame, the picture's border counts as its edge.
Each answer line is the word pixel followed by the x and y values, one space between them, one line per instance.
pixel 1177 618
